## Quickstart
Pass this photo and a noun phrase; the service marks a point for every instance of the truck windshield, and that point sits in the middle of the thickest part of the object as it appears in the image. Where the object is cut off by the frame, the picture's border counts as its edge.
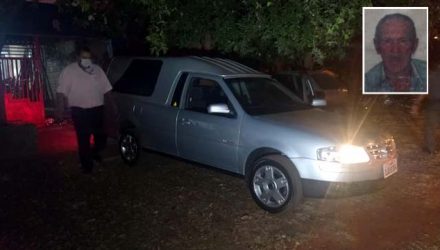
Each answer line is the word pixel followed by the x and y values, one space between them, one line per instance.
pixel 260 96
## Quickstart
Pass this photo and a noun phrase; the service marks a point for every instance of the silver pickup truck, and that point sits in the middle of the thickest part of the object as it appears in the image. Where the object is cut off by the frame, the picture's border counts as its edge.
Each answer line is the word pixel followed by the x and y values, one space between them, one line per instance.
pixel 226 115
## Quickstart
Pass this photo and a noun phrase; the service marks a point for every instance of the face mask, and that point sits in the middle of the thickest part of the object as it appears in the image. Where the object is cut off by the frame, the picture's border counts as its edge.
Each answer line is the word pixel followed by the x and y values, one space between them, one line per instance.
pixel 86 62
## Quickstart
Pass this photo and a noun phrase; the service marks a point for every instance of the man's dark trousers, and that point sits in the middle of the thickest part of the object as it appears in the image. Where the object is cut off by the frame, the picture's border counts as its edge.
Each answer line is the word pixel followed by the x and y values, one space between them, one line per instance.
pixel 87 122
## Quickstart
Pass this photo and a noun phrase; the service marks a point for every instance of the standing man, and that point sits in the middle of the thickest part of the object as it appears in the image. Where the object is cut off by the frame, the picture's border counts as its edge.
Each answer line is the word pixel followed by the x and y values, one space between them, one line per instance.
pixel 396 41
pixel 83 84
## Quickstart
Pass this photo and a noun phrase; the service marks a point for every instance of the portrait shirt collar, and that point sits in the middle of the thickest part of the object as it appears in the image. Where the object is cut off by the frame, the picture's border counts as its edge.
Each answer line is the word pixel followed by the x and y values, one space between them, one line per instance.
pixel 416 80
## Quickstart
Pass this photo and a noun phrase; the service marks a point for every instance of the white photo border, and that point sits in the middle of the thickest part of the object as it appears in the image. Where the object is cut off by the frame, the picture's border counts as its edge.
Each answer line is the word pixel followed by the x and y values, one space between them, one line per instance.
pixel 427 52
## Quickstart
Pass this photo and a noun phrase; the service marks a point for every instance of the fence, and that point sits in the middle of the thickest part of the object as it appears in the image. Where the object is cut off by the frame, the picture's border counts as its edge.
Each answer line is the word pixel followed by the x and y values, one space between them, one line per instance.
pixel 20 75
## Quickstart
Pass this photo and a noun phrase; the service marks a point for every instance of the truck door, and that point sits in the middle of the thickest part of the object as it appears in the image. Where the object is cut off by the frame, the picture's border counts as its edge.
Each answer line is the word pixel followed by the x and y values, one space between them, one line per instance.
pixel 206 137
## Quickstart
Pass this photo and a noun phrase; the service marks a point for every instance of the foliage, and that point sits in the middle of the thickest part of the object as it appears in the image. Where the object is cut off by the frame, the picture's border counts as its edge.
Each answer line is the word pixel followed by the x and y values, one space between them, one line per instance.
pixel 110 17
pixel 266 29
pixel 253 28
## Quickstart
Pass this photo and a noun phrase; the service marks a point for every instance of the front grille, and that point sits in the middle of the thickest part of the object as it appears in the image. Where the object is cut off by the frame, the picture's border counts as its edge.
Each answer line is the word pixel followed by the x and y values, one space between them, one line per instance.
pixel 382 149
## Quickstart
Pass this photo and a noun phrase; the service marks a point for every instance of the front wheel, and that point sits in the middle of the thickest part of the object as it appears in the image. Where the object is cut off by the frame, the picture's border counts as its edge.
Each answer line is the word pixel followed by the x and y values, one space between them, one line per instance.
pixel 129 148
pixel 275 184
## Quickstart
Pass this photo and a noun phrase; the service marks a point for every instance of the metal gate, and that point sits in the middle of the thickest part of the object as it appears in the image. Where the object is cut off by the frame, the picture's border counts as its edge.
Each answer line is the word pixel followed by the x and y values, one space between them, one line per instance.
pixel 20 75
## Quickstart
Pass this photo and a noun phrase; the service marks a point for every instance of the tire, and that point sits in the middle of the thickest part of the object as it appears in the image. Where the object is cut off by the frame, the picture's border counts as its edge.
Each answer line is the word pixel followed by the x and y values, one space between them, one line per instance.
pixel 129 148
pixel 275 184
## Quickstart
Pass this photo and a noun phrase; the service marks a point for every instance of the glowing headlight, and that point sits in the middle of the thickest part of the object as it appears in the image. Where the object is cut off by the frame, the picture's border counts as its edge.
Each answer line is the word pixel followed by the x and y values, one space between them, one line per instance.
pixel 345 154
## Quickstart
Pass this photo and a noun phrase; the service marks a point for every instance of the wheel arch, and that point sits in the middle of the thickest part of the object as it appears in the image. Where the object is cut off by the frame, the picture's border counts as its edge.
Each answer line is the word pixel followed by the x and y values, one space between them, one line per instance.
pixel 257 154
pixel 126 125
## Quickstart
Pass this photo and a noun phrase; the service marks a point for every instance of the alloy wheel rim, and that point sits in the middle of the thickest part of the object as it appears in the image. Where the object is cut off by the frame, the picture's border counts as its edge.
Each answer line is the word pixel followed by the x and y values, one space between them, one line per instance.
pixel 271 186
pixel 129 147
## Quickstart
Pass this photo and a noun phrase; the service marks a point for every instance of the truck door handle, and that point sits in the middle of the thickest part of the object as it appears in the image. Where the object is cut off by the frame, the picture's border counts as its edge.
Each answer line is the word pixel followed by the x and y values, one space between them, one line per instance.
pixel 186 121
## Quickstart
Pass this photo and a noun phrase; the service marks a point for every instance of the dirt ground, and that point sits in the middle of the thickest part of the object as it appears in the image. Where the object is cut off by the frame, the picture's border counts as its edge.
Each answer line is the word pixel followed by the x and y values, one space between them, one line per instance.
pixel 167 203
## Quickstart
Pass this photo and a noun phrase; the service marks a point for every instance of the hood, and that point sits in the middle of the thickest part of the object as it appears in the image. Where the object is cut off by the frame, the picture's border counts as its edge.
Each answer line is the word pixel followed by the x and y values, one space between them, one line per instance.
pixel 329 125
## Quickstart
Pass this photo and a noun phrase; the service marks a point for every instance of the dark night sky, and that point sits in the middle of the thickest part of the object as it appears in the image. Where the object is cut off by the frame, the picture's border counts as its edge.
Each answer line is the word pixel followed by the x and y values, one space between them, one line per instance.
pixel 42 19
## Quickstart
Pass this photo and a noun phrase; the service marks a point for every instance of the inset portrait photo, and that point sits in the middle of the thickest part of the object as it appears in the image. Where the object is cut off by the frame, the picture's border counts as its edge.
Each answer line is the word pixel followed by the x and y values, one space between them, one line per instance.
pixel 395 50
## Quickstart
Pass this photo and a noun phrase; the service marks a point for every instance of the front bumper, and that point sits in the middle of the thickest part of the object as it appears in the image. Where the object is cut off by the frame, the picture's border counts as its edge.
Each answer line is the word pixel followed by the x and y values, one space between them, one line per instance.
pixel 337 172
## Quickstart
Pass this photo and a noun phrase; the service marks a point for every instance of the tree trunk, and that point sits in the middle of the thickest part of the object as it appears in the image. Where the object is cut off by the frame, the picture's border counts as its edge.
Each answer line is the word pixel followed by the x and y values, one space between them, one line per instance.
pixel 308 62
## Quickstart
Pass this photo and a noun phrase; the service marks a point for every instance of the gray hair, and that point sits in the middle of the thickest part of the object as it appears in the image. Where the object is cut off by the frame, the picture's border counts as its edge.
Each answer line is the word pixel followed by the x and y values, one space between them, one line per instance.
pixel 396 16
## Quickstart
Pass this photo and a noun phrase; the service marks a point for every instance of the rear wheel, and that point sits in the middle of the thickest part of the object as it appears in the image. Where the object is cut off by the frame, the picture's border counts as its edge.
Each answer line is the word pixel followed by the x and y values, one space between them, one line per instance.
pixel 275 184
pixel 129 148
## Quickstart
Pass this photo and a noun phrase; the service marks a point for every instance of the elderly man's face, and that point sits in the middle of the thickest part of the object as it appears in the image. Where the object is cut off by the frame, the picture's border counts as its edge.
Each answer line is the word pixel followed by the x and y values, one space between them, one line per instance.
pixel 396 46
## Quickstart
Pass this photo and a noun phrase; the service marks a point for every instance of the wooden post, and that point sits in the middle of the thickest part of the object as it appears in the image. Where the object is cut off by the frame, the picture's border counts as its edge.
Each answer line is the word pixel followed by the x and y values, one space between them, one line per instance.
pixel 39 84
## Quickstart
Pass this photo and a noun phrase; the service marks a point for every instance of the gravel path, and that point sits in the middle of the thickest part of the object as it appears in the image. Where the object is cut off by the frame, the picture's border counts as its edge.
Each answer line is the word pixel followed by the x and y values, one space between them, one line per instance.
pixel 166 203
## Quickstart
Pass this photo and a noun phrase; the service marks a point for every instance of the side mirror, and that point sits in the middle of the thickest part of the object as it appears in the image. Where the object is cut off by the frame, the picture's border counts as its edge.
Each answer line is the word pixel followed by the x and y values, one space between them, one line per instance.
pixel 218 108
pixel 318 102
pixel 318 99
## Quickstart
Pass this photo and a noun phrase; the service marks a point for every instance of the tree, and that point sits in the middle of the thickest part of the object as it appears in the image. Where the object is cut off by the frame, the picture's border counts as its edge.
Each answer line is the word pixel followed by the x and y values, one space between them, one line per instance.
pixel 256 28
pixel 253 28
pixel 109 17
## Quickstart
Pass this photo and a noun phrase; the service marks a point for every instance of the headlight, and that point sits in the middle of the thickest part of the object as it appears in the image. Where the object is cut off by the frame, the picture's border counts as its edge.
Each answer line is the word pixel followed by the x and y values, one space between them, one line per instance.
pixel 345 154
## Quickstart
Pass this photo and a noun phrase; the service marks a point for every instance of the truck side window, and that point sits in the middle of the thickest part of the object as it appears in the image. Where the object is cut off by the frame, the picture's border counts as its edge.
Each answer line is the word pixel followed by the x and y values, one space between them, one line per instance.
pixel 175 102
pixel 298 86
pixel 292 82
pixel 204 92
pixel 140 78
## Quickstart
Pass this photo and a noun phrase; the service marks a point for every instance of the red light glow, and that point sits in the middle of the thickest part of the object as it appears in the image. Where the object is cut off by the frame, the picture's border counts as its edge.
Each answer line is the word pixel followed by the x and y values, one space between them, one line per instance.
pixel 24 110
